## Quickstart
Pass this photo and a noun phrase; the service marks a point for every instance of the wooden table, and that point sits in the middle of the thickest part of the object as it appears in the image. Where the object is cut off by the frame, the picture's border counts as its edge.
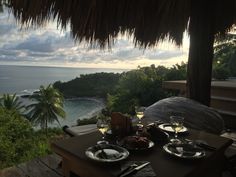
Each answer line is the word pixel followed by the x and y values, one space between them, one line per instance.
pixel 72 151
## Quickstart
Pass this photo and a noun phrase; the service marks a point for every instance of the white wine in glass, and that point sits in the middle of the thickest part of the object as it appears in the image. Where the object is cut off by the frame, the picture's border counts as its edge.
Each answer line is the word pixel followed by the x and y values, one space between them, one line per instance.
pixel 176 123
pixel 176 126
pixel 139 114
pixel 103 127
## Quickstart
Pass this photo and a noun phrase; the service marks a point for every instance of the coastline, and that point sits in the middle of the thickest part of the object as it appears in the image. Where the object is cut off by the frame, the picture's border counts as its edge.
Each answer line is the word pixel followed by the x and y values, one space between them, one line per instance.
pixel 89 115
pixel 76 110
pixel 96 99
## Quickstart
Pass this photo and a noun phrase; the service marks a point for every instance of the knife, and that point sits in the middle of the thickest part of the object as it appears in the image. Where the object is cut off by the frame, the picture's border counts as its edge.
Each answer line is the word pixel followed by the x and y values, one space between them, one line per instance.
pixel 135 170
pixel 201 144
pixel 127 169
pixel 206 146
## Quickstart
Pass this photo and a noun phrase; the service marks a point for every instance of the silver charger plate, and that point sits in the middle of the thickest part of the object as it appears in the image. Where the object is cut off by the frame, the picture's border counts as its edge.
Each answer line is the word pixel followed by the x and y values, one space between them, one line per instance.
pixel 186 151
pixel 167 127
pixel 123 144
pixel 106 153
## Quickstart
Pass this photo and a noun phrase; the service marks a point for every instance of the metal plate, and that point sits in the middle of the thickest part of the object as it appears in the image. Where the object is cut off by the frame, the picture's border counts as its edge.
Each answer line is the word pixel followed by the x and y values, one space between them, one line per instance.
pixel 186 151
pixel 107 153
pixel 167 127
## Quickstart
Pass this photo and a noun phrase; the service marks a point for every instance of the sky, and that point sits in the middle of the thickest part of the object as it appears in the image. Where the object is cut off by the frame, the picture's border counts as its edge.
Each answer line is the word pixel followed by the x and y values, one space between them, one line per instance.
pixel 49 46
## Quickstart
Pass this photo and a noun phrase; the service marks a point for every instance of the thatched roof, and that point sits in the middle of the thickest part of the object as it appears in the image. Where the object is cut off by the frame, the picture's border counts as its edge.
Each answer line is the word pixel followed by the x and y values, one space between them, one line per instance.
pixel 147 21
pixel 100 21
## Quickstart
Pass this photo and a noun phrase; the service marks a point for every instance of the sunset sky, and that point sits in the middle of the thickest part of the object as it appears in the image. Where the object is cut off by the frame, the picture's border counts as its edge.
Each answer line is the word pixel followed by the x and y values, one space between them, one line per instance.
pixel 49 46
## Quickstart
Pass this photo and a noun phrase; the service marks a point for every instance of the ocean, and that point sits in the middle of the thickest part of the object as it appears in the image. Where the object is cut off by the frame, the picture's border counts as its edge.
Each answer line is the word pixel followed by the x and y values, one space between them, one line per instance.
pixel 26 79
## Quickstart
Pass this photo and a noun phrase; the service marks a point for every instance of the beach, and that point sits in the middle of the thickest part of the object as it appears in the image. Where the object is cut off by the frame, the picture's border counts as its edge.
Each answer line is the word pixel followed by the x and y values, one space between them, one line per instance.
pixel 24 80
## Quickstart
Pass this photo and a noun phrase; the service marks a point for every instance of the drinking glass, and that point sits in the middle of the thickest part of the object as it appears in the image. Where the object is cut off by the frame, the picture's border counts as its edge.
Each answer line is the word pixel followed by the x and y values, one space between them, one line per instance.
pixel 176 123
pixel 103 127
pixel 139 114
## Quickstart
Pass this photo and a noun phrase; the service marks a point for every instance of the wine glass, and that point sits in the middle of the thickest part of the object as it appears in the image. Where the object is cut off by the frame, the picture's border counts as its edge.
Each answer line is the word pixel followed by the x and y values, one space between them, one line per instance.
pixel 103 127
pixel 176 123
pixel 139 114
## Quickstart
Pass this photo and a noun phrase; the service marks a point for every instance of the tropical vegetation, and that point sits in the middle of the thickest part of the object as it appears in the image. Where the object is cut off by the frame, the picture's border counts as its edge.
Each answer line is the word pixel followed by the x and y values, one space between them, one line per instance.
pixel 19 141
pixel 224 64
pixel 12 103
pixel 142 86
pixel 89 85
pixel 47 107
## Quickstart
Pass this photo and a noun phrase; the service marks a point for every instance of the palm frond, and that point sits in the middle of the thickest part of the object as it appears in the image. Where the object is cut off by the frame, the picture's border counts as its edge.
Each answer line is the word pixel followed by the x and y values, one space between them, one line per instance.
pixel 48 106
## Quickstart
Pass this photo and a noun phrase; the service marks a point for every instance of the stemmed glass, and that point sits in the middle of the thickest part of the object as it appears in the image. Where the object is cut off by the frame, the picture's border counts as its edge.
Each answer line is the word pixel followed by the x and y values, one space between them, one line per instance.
pixel 139 114
pixel 103 126
pixel 176 123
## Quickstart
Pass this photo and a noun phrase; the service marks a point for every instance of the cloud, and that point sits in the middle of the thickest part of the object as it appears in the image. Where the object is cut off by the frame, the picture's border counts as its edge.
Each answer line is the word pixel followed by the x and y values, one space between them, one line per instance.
pixel 51 46
pixel 36 45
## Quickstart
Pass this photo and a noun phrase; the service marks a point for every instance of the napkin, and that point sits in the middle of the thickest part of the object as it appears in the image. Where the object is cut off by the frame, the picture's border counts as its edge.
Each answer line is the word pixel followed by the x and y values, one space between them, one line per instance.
pixel 144 172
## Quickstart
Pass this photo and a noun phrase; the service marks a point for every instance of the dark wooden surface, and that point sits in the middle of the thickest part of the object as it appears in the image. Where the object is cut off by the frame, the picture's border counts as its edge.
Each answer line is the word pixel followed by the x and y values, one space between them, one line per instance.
pixel 39 167
pixel 73 152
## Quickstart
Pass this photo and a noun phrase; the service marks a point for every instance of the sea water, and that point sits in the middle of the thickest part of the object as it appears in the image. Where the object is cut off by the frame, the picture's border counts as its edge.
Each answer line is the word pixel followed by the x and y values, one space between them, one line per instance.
pixel 26 79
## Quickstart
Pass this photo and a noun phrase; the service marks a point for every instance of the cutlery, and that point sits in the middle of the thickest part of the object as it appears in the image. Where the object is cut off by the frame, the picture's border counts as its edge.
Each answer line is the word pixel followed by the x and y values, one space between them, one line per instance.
pixel 205 146
pixel 201 144
pixel 127 169
pixel 135 170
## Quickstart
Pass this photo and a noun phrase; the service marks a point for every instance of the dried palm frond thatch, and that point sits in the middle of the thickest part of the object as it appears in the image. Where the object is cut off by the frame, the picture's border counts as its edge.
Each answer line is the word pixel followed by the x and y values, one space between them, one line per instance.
pixel 100 21
pixel 147 21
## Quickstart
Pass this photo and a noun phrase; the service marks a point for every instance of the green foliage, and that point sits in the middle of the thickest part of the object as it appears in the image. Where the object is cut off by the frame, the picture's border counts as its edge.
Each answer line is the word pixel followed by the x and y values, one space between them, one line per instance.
pixel 86 121
pixel 220 72
pixel 123 91
pixel 143 87
pixel 89 85
pixel 47 108
pixel 224 63
pixel 15 138
pixel 176 72
pixel 19 142
pixel 12 103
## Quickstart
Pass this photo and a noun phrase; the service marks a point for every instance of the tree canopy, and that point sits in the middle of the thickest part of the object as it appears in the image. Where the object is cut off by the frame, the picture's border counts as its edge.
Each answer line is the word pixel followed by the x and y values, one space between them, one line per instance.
pixel 89 85
pixel 224 63
pixel 143 87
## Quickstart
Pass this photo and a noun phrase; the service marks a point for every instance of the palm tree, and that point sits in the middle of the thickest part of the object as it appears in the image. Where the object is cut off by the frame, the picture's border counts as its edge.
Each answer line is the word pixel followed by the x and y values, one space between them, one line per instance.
pixel 48 106
pixel 11 102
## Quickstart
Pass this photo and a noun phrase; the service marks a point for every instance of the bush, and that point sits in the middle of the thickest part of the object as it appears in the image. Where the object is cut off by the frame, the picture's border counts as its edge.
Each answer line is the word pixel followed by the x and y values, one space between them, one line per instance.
pixel 15 137
pixel 19 142
pixel 220 72
pixel 86 121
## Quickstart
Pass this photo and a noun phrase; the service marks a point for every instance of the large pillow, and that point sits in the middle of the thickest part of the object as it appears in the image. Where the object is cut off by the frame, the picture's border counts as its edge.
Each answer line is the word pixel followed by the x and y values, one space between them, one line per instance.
pixel 197 116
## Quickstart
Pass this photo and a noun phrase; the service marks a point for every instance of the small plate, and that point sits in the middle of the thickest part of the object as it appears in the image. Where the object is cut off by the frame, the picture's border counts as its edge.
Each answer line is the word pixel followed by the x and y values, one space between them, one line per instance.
pixel 129 147
pixel 106 153
pixel 167 127
pixel 186 151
